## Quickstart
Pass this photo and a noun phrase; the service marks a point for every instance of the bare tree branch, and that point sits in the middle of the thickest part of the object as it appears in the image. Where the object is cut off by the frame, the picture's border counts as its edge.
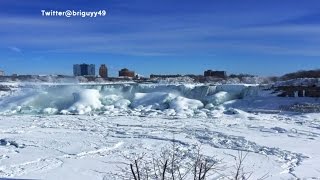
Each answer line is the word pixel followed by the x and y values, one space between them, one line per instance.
pixel 132 171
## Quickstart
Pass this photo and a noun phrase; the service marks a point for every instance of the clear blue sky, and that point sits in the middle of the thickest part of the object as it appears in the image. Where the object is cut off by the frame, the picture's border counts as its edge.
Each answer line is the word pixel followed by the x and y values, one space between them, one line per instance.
pixel 262 37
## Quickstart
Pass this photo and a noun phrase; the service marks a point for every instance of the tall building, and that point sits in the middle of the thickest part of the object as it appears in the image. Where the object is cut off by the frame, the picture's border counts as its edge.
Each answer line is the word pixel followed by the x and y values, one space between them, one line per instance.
pixel 76 70
pixel 84 70
pixel 1 73
pixel 126 73
pixel 91 70
pixel 103 71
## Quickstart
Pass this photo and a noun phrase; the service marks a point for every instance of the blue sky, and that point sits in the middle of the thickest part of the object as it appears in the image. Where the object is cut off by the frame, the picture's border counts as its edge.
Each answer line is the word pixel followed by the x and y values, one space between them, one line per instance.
pixel 262 37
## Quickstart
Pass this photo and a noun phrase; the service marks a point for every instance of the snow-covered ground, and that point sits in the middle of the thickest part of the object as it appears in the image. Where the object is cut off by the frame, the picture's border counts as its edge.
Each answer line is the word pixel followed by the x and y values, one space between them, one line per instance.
pixel 92 147
pixel 38 139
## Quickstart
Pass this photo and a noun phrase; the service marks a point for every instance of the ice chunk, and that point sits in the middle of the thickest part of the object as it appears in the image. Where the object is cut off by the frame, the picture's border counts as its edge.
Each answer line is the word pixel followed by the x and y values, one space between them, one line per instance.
pixel 122 104
pixel 86 101
pixel 50 111
pixel 157 100
pixel 220 98
pixel 110 99
pixel 182 103
pixel 209 106
pixel 231 111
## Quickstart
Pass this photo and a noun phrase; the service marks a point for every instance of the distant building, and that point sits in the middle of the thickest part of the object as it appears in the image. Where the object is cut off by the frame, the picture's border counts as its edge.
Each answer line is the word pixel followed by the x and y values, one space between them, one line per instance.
pixel 84 70
pixel 216 74
pixel 76 70
pixel 2 73
pixel 126 73
pixel 103 71
pixel 164 76
pixel 91 70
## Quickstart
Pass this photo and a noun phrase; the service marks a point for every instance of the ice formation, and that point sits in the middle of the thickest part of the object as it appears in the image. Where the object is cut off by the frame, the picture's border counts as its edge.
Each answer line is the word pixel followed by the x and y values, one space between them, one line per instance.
pixel 137 99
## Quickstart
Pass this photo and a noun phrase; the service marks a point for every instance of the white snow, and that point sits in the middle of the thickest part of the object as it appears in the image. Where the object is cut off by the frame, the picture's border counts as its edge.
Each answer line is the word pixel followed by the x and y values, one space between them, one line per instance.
pixel 93 147
pixel 40 139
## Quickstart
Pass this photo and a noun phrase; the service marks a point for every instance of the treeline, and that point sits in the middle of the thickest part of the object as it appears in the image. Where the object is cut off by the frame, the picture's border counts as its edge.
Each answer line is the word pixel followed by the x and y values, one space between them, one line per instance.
pixel 294 75
pixel 301 74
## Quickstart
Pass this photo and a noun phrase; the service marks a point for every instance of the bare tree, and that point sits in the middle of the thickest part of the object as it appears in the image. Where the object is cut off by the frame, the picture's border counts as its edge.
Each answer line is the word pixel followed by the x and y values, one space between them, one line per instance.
pixel 169 165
